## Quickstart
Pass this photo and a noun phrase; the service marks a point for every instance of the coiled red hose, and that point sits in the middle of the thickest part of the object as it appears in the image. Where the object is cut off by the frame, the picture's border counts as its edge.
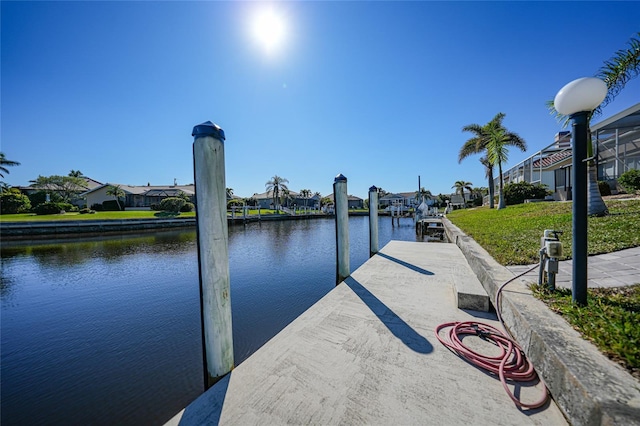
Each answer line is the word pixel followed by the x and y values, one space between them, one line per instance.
pixel 511 364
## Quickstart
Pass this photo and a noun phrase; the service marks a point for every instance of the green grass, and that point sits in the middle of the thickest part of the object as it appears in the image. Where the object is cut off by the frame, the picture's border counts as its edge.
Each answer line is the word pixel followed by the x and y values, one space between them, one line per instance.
pixel 127 214
pixel 512 235
pixel 610 320
pixel 133 214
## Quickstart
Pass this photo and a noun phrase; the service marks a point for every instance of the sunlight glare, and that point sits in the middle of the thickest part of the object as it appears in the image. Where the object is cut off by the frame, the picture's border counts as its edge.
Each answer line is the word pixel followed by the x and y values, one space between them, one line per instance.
pixel 269 29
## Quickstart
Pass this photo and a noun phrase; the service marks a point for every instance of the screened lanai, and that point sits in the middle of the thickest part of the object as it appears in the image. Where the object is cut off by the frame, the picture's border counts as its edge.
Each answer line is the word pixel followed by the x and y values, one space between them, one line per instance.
pixel 617 139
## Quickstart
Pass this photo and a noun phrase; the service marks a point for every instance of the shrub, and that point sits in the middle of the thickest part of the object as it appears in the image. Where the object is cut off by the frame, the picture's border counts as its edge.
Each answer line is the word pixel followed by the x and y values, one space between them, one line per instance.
pixel 40 197
pixel 516 193
pixel 154 206
pixel 235 203
pixel 87 211
pixel 112 206
pixel 172 204
pixel 188 207
pixel 630 180
pixel 604 188
pixel 12 203
pixel 49 208
pixel 67 207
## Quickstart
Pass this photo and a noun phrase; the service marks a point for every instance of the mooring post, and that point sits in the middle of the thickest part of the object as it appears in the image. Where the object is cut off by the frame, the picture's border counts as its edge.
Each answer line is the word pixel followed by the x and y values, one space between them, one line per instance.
pixel 342 228
pixel 373 221
pixel 391 208
pixel 213 251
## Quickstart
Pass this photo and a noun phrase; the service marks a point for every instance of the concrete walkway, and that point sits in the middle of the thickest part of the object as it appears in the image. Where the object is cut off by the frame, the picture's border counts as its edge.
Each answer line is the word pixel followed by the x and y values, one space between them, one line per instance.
pixel 616 269
pixel 366 353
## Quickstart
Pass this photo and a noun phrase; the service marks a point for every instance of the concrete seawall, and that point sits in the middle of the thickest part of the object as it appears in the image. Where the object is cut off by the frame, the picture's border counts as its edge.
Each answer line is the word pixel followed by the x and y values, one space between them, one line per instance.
pixel 61 229
pixel 72 228
pixel 588 387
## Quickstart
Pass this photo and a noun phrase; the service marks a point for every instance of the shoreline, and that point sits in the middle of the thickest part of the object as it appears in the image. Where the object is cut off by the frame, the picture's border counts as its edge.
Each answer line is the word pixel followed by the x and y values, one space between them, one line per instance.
pixel 43 230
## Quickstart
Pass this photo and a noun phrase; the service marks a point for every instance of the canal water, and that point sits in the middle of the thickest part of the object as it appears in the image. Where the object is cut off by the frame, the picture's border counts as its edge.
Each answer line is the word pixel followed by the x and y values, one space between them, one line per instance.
pixel 107 330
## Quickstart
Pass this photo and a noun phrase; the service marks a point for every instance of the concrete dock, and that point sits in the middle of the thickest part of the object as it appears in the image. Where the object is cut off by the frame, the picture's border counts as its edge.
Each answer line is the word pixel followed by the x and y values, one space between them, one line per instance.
pixel 366 353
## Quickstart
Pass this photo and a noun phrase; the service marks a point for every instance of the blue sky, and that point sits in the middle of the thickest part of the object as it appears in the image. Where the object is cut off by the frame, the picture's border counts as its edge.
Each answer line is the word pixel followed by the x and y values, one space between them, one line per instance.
pixel 377 91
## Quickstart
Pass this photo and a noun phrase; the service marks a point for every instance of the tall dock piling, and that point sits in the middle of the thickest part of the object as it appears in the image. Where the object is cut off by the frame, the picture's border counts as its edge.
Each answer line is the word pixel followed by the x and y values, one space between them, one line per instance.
pixel 342 228
pixel 373 221
pixel 213 251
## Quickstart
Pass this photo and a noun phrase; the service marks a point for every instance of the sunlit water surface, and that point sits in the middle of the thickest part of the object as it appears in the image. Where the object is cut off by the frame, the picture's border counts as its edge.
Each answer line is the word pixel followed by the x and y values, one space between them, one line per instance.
pixel 107 330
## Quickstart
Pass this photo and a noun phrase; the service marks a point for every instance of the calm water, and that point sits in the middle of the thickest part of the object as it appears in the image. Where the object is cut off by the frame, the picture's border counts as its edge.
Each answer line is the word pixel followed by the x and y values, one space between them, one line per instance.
pixel 107 330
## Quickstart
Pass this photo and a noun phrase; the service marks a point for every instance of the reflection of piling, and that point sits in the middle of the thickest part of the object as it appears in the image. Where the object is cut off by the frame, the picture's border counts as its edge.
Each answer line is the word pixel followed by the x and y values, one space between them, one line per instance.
pixel 342 228
pixel 373 221
pixel 213 251
pixel 391 210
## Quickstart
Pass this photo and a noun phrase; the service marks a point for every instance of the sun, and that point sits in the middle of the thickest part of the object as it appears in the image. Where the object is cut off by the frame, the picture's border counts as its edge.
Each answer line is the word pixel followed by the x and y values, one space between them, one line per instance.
pixel 268 29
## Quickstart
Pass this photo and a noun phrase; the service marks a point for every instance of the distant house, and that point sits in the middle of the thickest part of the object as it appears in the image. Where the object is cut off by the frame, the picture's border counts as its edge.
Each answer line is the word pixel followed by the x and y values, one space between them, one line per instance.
pixel 393 200
pixel 618 151
pixel 88 185
pixel 139 196
pixel 265 200
pixel 457 200
pixel 353 202
pixel 405 199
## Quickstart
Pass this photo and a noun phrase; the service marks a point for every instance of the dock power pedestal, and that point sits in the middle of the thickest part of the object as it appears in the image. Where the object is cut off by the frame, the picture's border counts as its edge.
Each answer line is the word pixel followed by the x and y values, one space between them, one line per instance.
pixel 550 253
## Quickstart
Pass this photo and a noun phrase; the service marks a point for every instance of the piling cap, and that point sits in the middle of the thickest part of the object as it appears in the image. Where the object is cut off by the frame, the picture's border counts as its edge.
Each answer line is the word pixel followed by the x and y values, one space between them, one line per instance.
pixel 208 129
pixel 373 189
pixel 340 178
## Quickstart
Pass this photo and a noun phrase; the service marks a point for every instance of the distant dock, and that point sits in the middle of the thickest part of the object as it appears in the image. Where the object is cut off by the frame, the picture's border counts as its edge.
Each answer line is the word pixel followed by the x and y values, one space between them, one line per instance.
pixel 366 353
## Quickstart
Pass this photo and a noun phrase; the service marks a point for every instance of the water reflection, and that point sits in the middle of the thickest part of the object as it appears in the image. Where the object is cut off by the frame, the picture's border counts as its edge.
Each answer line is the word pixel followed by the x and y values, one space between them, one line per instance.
pixel 63 253
pixel 107 330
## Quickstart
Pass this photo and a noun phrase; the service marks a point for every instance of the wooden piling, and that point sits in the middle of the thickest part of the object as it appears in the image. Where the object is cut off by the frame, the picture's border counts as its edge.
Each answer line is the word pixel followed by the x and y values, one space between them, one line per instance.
pixel 213 251
pixel 373 221
pixel 342 228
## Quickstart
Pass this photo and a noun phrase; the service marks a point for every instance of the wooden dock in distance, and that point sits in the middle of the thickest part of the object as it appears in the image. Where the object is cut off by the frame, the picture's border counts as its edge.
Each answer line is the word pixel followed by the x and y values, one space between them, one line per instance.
pixel 366 354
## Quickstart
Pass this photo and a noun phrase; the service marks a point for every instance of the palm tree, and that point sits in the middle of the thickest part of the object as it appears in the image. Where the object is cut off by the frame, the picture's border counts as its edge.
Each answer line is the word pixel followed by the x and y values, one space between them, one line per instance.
pixel 477 145
pixel 619 69
pixel 484 135
pixel 421 194
pixel 116 192
pixel 318 195
pixel 4 163
pixel 284 197
pixel 305 193
pixel 460 186
pixel 276 184
pixel 75 173
pixel 229 193
pixel 488 173
pixel 497 152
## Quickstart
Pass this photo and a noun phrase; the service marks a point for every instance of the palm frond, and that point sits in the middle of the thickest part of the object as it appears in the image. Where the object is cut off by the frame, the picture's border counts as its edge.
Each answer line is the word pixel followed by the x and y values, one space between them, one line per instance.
pixel 617 71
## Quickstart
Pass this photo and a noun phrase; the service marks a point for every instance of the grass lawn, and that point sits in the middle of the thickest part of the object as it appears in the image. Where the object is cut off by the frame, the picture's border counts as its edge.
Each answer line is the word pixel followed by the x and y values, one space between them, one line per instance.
pixel 512 236
pixel 127 214
pixel 610 320
pixel 133 214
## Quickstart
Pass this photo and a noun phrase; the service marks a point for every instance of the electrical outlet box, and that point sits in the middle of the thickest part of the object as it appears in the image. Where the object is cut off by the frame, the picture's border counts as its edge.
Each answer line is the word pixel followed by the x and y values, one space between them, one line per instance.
pixel 554 248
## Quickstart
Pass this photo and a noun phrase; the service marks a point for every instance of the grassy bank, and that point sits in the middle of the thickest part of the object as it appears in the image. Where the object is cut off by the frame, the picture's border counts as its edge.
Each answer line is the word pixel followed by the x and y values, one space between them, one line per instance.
pixel 133 214
pixel 127 214
pixel 610 320
pixel 512 235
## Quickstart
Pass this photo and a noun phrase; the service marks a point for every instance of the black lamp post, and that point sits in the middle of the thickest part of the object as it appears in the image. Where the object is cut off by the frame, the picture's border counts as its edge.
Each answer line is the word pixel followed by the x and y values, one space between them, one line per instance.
pixel 577 99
